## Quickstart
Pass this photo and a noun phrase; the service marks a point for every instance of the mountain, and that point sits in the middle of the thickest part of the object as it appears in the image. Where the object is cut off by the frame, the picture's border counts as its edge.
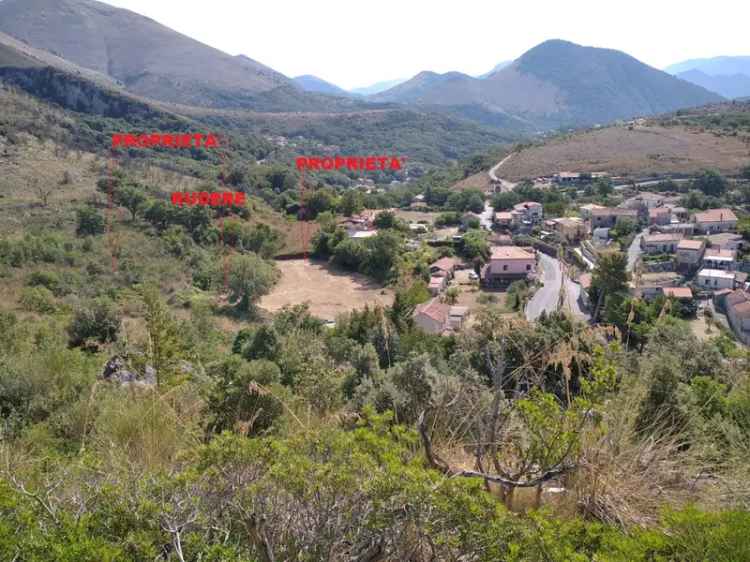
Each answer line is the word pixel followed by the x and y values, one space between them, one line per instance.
pixel 377 87
pixel 498 66
pixel 713 66
pixel 148 58
pixel 728 85
pixel 557 83
pixel 311 83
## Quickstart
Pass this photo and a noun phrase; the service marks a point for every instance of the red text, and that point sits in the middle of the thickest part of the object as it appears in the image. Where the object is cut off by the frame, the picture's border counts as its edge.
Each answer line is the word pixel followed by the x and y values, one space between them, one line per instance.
pixel 177 140
pixel 365 163
pixel 215 199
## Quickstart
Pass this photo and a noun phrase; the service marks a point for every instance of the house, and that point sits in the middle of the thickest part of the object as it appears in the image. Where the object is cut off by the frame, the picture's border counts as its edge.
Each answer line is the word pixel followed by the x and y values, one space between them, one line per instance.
pixel 418 227
pixel 610 216
pixel 644 202
pixel 507 264
pixel 570 229
pixel 437 284
pixel 445 267
pixel 718 259
pixel 432 316
pixel 689 254
pixel 501 240
pixel 586 210
pixel 660 243
pixel 715 220
pixel 659 216
pixel 715 279
pixel 530 211
pixel 737 307
pixel 566 178
pixel 435 317
pixel 504 219
pixel 727 241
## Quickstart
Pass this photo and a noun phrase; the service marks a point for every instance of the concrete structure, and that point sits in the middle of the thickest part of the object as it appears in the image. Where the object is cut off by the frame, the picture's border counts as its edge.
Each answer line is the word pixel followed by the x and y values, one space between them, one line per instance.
pixel 644 201
pixel 660 243
pixel 679 214
pixel 680 293
pixel 690 254
pixel 610 216
pixel 727 241
pixel 437 284
pixel 530 211
pixel 507 264
pixel 571 229
pixel 737 307
pixel 715 220
pixel 715 279
pixel 715 258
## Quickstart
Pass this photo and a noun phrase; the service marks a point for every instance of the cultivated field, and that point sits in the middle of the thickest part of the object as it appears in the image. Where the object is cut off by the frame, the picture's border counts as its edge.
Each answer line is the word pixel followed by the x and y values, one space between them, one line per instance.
pixel 641 151
pixel 328 291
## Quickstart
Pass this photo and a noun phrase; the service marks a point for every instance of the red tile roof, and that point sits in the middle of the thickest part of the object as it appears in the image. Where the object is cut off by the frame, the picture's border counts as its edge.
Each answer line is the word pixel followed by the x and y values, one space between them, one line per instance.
pixel 716 215
pixel 435 310
pixel 446 264
pixel 690 245
pixel 678 292
pixel 511 253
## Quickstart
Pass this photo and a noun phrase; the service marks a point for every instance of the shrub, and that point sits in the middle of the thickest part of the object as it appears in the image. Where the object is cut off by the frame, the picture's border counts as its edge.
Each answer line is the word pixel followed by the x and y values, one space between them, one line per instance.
pixel 97 321
pixel 38 299
pixel 90 222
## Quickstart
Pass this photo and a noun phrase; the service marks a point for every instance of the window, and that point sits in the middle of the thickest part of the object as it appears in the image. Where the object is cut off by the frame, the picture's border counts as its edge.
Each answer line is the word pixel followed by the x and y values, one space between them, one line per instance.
pixel 528 267
pixel 505 268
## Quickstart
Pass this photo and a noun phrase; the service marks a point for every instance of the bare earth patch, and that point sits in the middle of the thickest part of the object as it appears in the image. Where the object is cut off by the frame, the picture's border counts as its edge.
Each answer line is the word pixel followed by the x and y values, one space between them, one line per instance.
pixel 327 290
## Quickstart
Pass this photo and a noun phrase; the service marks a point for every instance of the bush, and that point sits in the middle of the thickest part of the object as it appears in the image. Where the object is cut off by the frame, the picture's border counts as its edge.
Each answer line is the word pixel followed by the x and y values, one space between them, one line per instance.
pixel 90 222
pixel 97 321
pixel 38 299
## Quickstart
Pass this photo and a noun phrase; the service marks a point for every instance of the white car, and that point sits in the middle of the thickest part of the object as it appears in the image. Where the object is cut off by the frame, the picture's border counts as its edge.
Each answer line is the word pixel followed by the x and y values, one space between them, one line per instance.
pixel 473 276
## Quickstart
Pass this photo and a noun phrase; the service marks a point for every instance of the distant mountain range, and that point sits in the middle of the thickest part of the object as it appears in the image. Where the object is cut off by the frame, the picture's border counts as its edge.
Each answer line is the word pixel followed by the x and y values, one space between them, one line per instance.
pixel 557 83
pixel 727 76
pixel 311 83
pixel 377 87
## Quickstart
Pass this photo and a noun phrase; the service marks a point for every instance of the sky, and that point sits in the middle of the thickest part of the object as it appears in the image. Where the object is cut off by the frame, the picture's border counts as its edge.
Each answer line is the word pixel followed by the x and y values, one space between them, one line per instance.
pixel 352 43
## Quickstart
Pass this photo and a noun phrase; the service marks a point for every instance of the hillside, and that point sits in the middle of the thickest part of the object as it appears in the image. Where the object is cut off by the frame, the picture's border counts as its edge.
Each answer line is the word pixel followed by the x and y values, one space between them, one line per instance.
pixel 555 84
pixel 636 151
pixel 147 58
pixel 311 83
pixel 377 87
pixel 713 66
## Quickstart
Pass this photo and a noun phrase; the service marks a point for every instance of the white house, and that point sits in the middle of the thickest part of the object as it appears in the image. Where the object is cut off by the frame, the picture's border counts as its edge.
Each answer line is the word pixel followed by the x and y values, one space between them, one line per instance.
pixel 715 279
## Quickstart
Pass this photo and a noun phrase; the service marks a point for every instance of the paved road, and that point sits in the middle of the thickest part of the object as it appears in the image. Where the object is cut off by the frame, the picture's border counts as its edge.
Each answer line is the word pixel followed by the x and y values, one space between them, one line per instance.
pixel 634 251
pixel 504 184
pixel 547 297
pixel 485 218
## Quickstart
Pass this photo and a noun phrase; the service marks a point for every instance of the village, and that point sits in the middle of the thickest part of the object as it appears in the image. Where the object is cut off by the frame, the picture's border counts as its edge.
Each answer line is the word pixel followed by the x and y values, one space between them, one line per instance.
pixel 537 263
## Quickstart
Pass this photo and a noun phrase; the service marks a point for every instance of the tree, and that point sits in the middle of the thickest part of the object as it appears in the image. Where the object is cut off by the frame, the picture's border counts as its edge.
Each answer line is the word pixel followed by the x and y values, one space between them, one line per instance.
pixel 90 222
pixel 610 277
pixel 746 172
pixel 132 198
pixel 475 245
pixel 250 277
pixel 603 187
pixel 504 201
pixel 386 219
pixel 319 201
pixel 163 335
pixel 351 203
pixel 451 295
pixel 711 182
pixel 42 190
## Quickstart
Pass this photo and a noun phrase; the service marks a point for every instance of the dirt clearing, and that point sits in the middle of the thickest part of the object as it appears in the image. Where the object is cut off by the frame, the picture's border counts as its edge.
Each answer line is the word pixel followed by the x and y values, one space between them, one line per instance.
pixel 329 291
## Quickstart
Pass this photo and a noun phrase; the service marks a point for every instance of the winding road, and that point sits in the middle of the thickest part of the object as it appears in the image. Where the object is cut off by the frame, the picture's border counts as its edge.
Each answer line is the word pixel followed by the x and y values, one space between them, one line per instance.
pixel 505 185
pixel 547 297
